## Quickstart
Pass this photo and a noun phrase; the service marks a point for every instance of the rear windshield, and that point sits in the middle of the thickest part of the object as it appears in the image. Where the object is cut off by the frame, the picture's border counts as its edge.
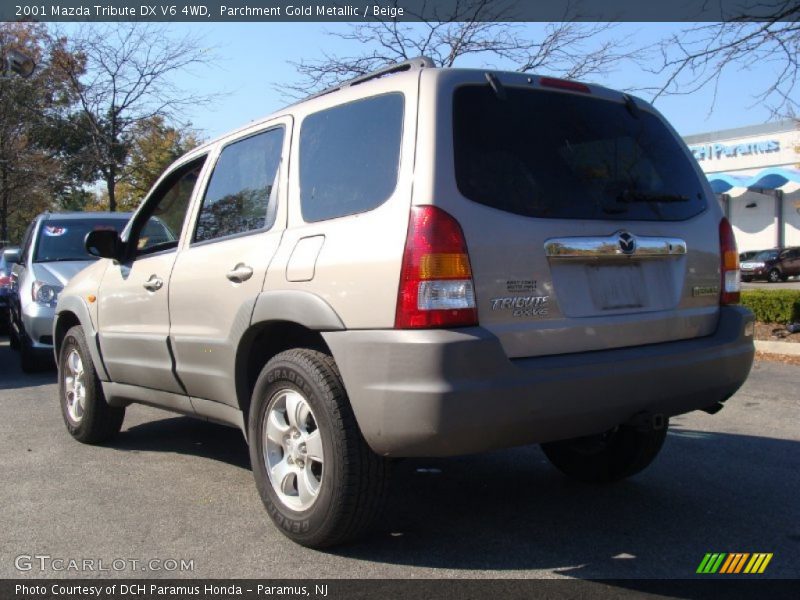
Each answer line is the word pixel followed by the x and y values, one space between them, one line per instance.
pixel 62 240
pixel 567 156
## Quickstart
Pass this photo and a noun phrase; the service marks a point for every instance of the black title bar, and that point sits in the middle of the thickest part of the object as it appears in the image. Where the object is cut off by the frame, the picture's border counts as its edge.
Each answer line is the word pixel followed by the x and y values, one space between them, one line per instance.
pixel 401 10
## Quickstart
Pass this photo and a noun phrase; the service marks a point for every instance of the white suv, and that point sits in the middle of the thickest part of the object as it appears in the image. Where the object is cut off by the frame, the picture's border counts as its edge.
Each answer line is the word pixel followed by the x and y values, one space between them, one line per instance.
pixel 421 262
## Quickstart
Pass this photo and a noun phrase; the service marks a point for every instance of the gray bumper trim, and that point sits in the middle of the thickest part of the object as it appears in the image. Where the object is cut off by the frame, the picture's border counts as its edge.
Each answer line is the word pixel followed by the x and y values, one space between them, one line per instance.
pixel 450 392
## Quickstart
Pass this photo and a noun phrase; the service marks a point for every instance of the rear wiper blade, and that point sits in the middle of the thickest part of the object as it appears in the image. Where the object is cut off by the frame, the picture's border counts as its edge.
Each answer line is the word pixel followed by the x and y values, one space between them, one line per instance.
pixel 638 196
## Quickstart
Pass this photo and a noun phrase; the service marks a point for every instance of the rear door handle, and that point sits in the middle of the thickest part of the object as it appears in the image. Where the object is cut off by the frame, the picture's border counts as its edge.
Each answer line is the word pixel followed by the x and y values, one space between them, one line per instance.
pixel 154 284
pixel 240 273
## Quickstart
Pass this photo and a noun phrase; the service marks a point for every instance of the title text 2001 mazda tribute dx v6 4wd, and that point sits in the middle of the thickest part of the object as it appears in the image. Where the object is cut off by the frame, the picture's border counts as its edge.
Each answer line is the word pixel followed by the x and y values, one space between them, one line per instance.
pixel 421 262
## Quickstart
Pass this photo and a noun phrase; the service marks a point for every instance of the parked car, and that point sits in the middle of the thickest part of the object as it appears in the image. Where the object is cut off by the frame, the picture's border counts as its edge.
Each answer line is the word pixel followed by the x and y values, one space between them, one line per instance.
pixel 52 252
pixel 772 265
pixel 5 283
pixel 421 262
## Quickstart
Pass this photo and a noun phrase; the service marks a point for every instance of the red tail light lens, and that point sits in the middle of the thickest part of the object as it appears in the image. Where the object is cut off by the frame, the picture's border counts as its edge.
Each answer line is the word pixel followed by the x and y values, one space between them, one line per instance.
pixel 5 281
pixel 436 287
pixel 565 84
pixel 729 257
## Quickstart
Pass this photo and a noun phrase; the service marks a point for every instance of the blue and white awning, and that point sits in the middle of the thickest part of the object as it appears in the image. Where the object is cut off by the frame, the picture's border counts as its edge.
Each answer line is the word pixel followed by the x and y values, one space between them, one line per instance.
pixel 774 178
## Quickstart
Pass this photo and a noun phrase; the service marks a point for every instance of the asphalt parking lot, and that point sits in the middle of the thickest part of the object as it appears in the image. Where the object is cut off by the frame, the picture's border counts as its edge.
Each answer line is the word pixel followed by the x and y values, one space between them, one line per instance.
pixel 174 488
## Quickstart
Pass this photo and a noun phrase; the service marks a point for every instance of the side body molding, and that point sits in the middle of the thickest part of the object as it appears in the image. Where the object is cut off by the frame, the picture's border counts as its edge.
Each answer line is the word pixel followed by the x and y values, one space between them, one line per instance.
pixel 296 306
pixel 77 306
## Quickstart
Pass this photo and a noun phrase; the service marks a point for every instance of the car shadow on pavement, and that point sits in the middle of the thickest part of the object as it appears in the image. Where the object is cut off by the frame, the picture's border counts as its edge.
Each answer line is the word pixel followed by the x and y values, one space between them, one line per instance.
pixel 510 510
pixel 186 435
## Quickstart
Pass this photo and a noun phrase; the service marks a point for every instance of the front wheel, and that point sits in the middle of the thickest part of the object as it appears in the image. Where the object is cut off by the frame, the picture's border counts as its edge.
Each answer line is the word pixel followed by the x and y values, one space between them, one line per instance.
pixel 87 415
pixel 774 276
pixel 611 456
pixel 320 482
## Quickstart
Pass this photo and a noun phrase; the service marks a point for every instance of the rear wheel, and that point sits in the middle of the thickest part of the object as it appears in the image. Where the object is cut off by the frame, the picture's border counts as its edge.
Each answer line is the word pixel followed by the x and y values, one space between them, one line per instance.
pixel 320 482
pixel 87 415
pixel 611 456
pixel 774 276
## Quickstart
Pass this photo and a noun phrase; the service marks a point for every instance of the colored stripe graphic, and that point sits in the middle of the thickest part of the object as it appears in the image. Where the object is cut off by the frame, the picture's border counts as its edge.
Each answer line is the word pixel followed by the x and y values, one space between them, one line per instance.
pixel 727 564
pixel 737 563
pixel 734 562
pixel 711 562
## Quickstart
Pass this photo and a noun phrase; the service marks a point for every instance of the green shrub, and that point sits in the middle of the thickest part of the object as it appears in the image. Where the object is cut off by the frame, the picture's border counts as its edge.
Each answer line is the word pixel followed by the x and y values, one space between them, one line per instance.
pixel 773 306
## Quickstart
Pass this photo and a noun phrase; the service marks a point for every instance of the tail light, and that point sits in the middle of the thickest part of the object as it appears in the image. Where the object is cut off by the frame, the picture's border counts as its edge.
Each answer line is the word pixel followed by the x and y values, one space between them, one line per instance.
pixel 731 285
pixel 5 281
pixel 436 287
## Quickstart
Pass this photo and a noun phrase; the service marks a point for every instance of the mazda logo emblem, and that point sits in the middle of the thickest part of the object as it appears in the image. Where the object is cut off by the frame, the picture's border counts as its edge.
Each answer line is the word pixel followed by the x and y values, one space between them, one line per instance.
pixel 627 243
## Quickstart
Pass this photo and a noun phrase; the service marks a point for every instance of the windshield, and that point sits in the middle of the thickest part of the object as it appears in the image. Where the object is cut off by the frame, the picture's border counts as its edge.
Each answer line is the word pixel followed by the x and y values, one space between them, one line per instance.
pixel 765 255
pixel 62 240
pixel 549 154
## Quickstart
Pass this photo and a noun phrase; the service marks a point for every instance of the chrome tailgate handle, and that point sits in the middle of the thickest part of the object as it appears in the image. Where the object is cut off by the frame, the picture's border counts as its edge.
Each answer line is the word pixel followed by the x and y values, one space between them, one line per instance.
pixel 620 245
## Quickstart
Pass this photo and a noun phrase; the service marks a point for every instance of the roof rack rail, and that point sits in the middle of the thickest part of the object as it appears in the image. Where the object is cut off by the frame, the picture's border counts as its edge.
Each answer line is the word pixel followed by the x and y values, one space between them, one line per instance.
pixel 418 62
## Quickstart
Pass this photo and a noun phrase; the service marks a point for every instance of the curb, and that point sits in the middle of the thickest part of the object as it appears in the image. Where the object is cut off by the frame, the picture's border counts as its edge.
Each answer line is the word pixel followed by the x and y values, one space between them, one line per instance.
pixel 787 348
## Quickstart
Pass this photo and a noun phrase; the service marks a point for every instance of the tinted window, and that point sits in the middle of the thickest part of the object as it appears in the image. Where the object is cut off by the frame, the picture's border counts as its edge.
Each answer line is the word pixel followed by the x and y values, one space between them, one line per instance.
pixel 766 255
pixel 167 209
pixel 63 239
pixel 349 157
pixel 549 154
pixel 240 197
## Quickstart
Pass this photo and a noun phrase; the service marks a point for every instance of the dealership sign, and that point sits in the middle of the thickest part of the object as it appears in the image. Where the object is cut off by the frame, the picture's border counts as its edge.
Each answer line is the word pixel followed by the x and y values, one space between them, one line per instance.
pixel 717 151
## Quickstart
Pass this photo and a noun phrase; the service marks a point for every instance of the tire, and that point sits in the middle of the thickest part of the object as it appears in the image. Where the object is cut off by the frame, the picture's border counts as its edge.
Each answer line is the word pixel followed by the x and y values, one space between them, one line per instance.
pixel 612 456
pixel 774 276
pixel 92 420
pixel 331 487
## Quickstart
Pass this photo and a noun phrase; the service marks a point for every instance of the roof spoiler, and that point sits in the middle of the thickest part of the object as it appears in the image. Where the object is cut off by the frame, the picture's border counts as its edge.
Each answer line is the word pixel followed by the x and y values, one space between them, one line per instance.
pixel 412 64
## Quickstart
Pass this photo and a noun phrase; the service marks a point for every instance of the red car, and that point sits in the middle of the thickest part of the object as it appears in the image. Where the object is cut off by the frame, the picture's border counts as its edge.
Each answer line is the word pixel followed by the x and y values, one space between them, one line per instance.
pixel 772 265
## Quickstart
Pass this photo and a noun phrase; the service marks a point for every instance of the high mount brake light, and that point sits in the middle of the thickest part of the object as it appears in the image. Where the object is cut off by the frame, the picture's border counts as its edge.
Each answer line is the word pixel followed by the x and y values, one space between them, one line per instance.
pixel 565 84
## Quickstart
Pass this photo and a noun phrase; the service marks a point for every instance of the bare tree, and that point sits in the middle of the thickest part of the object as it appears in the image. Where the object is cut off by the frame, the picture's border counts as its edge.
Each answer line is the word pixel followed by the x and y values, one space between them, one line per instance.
pixel 123 76
pixel 765 36
pixel 469 28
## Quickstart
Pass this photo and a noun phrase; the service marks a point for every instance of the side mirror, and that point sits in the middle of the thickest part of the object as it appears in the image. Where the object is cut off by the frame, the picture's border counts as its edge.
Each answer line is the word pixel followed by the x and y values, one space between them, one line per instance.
pixel 103 243
pixel 12 256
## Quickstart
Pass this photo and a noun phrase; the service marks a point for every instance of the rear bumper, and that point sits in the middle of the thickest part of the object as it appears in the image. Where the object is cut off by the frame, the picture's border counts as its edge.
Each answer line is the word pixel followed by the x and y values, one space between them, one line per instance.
pixel 450 392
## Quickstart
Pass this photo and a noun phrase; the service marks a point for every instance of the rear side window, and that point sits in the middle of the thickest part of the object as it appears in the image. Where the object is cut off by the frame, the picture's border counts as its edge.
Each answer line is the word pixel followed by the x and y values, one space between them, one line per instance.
pixel 567 156
pixel 349 157
pixel 241 193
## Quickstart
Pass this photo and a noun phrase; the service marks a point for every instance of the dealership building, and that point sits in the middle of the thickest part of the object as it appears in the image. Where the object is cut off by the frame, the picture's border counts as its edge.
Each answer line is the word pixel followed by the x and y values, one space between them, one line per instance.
pixel 755 172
